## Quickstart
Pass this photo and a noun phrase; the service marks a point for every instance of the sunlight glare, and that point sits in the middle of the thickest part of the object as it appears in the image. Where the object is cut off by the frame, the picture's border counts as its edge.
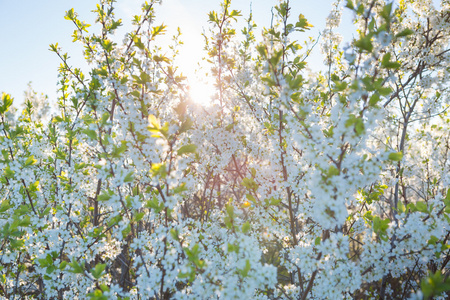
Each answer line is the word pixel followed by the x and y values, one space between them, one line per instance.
pixel 201 92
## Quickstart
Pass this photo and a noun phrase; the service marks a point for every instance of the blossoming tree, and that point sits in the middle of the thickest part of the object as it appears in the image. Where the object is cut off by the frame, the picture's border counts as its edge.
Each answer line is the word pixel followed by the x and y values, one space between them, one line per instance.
pixel 292 184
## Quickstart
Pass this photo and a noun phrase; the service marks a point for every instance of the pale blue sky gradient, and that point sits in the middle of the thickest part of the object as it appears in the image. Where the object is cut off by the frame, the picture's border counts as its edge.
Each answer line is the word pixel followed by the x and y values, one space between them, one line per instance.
pixel 27 27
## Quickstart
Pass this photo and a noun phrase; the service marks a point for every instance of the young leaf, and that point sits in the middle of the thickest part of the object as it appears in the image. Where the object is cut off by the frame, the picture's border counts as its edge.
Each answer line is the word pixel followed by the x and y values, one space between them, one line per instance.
pixel 76 267
pixel 98 270
pixel 404 32
pixel 186 149
pixel 395 156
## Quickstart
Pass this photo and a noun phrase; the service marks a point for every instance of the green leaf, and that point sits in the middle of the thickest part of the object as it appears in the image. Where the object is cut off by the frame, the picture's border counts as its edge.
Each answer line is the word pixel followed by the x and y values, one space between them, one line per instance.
pixel 275 59
pixel 262 50
pixel 317 241
pixel 230 210
pixel 30 161
pixel 104 287
pixel 154 122
pixel 350 5
pixel 395 156
pixel 155 205
pixel 129 177
pixel 76 267
pixel 411 207
pixel 251 198
pixel 434 285
pixel 107 45
pixel 380 226
pixel 159 169
pixel 7 101
pixel 422 206
pixel 249 183
pixel 139 216
pixel 22 210
pixel 386 12
pixel 25 221
pixel 158 29
pixel 5 205
pixel 350 121
pixel 404 32
pixel 432 240
pixel 137 41
pixel 232 248
pixel 246 227
pixel 174 234
pixel 302 23
pixel 401 208
pixel 190 148
pixel 364 43
pixel 158 58
pixel 179 189
pixel 63 265
pixel 235 13
pixel 70 15
pixel 90 133
pixel 374 99
pixel 360 9
pixel 386 63
pixel 244 272
pixel 447 199
pixel 136 94
pixel 34 187
pixel 115 24
pixel 8 172
pixel 54 47
pixel 98 270
pixel 213 17
pixel 339 86
pixel 368 216
pixel 50 269
pixel 126 231
pixel 17 244
pixel 117 151
pixel 186 125
pixel 105 118
pixel 332 171
pixel 103 197
pixel 274 201
pixel 359 126
pixel 43 262
pixel 384 91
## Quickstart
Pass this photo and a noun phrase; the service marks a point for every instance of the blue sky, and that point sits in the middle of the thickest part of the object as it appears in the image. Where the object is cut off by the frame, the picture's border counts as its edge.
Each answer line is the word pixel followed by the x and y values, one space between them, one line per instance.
pixel 27 27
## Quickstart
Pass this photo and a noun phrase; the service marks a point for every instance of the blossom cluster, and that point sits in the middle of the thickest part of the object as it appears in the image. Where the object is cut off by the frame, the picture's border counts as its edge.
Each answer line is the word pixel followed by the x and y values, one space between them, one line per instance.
pixel 291 184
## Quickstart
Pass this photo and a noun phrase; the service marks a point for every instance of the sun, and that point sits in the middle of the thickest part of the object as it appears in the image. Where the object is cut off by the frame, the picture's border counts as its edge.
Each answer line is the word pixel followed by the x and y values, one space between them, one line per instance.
pixel 201 91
